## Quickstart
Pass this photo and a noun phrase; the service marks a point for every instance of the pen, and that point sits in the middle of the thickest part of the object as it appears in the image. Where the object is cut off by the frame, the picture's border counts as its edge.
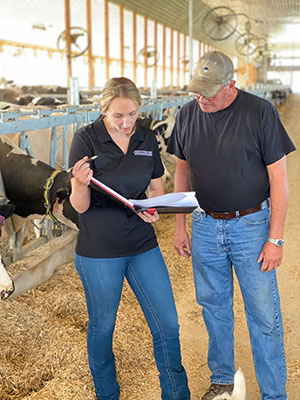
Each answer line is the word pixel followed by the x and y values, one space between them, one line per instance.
pixel 89 159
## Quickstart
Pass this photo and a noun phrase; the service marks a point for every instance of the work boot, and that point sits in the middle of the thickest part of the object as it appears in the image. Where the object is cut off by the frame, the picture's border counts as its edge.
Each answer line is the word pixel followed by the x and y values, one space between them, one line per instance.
pixel 216 389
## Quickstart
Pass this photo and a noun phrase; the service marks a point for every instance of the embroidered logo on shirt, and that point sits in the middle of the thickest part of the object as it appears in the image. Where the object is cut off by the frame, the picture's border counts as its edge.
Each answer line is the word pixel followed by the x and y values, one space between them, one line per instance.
pixel 143 153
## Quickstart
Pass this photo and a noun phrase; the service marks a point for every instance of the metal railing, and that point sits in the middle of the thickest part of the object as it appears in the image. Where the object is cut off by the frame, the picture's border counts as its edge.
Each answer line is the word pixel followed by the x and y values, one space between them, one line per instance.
pixel 75 116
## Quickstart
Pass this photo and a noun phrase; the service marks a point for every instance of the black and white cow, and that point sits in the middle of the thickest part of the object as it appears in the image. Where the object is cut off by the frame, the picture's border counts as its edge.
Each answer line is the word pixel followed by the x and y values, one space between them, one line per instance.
pixel 6 284
pixel 162 130
pixel 24 178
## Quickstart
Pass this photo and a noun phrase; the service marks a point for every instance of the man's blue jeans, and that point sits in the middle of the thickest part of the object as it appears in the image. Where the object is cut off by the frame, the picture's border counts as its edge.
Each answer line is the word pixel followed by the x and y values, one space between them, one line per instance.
pixel 146 273
pixel 217 246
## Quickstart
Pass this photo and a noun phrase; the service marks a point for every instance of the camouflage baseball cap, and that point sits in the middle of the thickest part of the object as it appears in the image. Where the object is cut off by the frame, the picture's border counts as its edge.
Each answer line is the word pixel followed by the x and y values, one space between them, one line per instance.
pixel 212 71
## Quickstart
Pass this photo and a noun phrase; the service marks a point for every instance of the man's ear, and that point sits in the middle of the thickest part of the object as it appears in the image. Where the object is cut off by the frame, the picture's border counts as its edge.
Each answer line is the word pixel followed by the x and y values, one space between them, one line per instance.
pixel 232 83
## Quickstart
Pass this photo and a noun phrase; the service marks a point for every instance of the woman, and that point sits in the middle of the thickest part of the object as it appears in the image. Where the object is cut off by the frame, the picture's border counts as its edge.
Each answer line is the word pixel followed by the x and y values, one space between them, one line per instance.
pixel 114 242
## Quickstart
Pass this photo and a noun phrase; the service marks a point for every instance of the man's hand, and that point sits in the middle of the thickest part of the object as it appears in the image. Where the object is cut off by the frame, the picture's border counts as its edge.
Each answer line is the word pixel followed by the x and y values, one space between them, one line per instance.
pixel 271 256
pixel 182 243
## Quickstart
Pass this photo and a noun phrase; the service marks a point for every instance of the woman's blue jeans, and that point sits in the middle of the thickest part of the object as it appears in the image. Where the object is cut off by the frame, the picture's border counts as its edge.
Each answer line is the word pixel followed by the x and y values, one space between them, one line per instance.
pixel 217 246
pixel 146 273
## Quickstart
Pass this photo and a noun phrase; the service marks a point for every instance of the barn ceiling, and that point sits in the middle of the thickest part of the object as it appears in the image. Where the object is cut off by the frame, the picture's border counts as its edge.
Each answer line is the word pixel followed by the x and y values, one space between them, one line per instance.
pixel 272 22
pixel 257 30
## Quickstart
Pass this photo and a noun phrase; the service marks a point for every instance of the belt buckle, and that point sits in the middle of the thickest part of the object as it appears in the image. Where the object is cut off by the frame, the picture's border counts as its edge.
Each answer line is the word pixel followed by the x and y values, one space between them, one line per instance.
pixel 220 215
pixel 229 215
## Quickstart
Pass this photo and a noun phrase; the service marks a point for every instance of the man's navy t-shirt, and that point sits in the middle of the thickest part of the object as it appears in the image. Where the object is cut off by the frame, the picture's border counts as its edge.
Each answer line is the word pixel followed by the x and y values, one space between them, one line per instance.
pixel 108 229
pixel 228 151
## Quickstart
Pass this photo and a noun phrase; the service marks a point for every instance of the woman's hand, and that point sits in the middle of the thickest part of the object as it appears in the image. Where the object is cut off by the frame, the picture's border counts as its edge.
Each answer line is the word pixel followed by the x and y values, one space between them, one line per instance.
pixel 149 217
pixel 156 188
pixel 80 197
pixel 82 172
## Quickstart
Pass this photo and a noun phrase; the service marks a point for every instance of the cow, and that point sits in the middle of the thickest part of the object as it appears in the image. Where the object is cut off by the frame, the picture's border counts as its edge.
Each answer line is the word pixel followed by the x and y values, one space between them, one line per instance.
pixel 35 189
pixel 162 130
pixel 6 284
pixel 30 184
pixel 31 97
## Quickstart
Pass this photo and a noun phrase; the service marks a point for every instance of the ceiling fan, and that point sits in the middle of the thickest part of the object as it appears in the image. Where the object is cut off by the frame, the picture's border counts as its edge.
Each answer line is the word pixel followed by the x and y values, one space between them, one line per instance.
pixel 79 41
pixel 151 53
pixel 220 23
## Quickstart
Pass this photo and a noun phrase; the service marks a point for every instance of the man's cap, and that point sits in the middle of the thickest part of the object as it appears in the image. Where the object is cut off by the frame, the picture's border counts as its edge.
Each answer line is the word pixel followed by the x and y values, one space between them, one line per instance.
pixel 212 71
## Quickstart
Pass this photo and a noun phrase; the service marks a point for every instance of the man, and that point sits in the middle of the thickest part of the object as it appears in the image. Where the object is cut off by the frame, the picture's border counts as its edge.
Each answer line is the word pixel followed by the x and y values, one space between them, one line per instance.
pixel 231 149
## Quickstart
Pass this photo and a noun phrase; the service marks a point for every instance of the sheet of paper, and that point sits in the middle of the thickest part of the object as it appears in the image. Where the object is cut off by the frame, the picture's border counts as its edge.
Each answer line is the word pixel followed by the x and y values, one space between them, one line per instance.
pixel 183 199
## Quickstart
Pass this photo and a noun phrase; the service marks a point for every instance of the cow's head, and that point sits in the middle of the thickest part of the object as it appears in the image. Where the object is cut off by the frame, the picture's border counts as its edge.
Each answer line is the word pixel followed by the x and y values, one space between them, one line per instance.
pixel 7 286
pixel 59 204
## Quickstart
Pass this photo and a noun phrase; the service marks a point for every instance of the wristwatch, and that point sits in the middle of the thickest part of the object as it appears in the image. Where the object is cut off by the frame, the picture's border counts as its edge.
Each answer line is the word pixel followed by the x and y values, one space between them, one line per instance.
pixel 277 242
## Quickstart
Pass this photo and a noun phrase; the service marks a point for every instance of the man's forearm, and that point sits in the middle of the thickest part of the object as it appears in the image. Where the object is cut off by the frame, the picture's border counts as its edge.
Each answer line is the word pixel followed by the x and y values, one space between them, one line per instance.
pixel 279 195
pixel 181 184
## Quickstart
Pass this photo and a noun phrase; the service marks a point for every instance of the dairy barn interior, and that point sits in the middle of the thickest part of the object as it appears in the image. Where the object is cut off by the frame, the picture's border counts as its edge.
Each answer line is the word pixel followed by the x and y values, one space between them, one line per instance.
pixel 55 57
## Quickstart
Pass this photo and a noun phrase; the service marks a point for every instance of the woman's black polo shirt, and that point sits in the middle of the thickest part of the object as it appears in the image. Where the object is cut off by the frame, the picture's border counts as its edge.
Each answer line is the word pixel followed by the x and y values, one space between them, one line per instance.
pixel 108 229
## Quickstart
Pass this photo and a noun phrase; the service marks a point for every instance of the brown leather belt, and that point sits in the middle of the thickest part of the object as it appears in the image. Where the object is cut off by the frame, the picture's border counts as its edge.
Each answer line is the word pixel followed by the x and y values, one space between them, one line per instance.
pixel 234 214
